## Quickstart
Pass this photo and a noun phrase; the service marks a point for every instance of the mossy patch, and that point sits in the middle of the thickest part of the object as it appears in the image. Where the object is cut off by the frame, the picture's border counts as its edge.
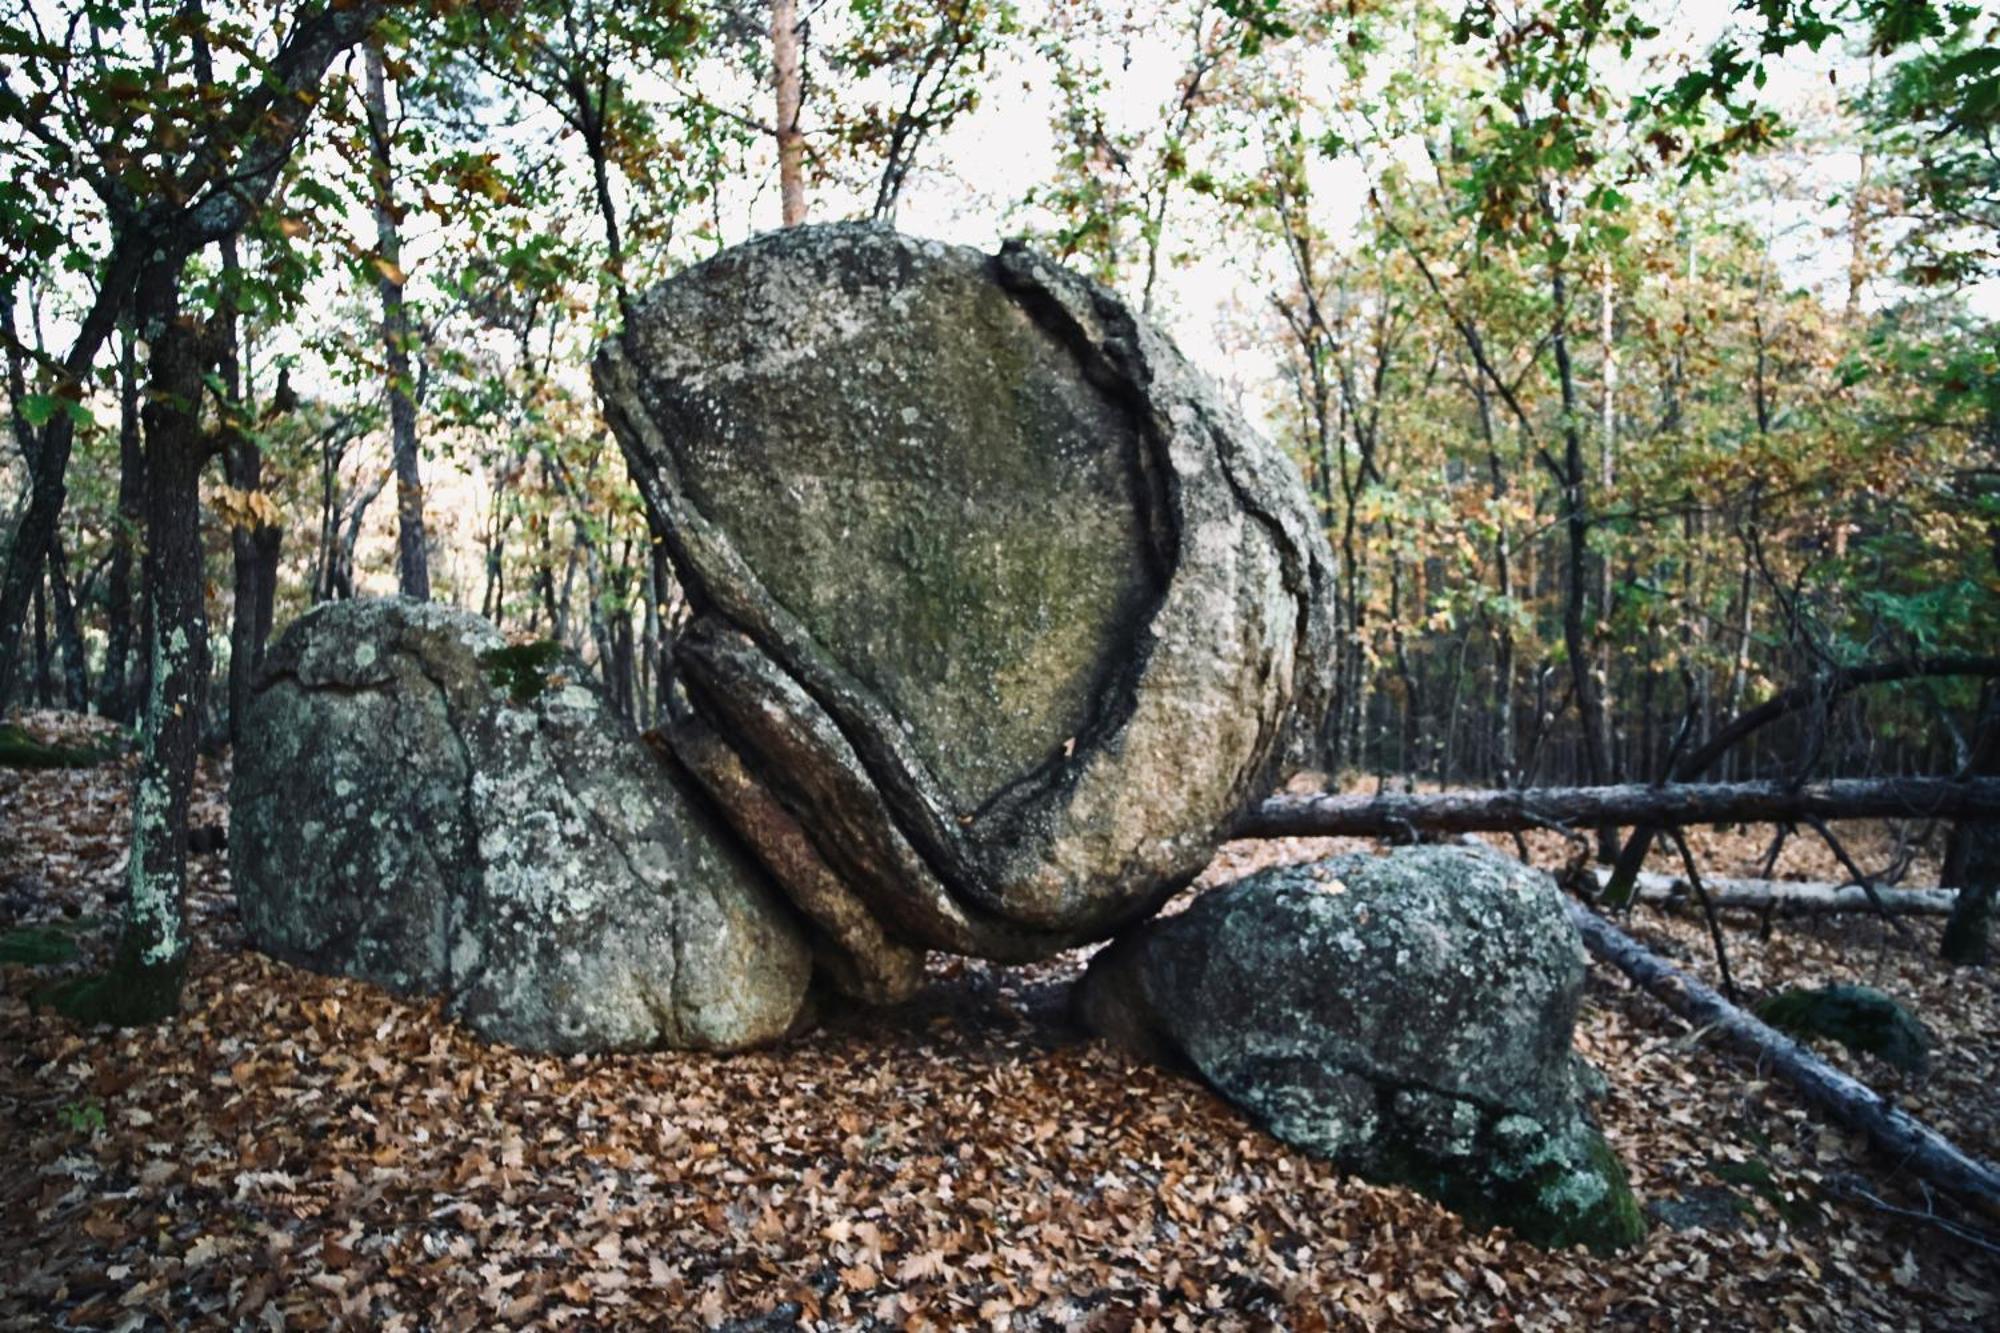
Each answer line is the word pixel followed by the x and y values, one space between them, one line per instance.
pixel 39 946
pixel 1756 1177
pixel 524 670
pixel 128 994
pixel 20 750
pixel 1565 1190
pixel 1860 1018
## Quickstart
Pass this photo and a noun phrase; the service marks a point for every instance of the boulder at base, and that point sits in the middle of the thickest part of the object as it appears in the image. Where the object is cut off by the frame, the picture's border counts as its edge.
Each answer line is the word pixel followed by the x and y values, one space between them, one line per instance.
pixel 419 805
pixel 1407 1016
pixel 1003 616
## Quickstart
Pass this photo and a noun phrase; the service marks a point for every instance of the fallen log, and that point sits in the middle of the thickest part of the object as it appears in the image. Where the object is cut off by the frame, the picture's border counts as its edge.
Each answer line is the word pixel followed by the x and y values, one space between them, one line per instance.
pixel 1393 814
pixel 1788 896
pixel 1822 691
pixel 1913 1145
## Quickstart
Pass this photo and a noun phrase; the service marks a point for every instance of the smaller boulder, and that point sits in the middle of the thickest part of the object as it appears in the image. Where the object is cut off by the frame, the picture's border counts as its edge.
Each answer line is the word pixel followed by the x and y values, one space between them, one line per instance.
pixel 1860 1018
pixel 1406 1016
pixel 422 806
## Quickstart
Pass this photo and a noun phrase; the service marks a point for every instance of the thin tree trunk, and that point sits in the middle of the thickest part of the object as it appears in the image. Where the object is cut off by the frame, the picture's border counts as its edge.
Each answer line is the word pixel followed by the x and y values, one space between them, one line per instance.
pixel 1503 577
pixel 413 578
pixel 1607 476
pixel 663 603
pixel 48 456
pixel 114 698
pixel 69 636
pixel 1576 582
pixel 791 95
pixel 243 461
pixel 42 694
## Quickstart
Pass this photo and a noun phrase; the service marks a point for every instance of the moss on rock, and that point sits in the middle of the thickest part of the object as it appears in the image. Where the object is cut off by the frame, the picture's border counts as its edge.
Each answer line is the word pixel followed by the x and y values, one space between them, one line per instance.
pixel 1038 614
pixel 1860 1018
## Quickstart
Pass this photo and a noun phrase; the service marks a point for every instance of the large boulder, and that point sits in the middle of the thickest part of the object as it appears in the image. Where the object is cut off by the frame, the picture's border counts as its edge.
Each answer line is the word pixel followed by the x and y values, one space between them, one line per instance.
pixel 1407 1016
pixel 420 805
pixel 1002 615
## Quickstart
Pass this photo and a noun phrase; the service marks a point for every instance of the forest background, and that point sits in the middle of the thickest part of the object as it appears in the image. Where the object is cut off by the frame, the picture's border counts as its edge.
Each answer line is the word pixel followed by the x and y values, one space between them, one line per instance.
pixel 1640 356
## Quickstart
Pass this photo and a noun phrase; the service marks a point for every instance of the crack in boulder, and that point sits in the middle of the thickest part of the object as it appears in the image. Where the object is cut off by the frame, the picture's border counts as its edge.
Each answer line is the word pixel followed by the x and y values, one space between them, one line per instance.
pixel 1023 596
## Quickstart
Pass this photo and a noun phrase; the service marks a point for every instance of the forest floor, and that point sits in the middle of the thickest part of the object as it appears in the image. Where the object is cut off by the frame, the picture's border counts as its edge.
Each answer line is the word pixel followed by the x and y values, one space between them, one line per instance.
pixel 299 1151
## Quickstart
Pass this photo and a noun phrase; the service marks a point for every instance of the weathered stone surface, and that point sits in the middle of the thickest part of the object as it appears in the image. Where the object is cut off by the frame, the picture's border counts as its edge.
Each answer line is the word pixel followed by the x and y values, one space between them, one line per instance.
pixel 419 805
pixel 1004 610
pixel 1408 1016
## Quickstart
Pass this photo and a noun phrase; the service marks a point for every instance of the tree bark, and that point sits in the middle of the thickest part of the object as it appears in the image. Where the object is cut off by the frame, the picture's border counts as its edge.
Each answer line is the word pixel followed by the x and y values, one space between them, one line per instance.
pixel 48 463
pixel 1914 1147
pixel 224 189
pixel 69 635
pixel 1972 856
pixel 413 576
pixel 144 981
pixel 243 461
pixel 1391 814
pixel 40 683
pixel 114 696
pixel 791 96
pixel 1590 708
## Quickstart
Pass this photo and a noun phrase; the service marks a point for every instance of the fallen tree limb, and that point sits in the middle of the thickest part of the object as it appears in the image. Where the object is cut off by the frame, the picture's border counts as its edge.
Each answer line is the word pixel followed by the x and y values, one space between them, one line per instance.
pixel 1914 1146
pixel 1824 691
pixel 1390 814
pixel 1791 896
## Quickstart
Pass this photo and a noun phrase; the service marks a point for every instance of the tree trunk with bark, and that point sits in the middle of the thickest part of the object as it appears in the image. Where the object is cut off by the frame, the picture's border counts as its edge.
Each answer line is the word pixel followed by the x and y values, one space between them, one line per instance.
pixel 144 981
pixel 114 694
pixel 69 635
pixel 1972 857
pixel 413 578
pixel 790 90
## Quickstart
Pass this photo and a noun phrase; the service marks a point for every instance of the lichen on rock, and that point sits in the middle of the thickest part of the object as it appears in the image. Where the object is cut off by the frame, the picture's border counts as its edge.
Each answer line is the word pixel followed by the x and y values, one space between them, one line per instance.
pixel 420 805
pixel 1408 1016
pixel 1004 611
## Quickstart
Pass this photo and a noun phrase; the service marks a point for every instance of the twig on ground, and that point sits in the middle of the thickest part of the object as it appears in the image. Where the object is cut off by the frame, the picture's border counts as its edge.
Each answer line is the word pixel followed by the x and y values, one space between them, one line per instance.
pixel 1861 876
pixel 1707 909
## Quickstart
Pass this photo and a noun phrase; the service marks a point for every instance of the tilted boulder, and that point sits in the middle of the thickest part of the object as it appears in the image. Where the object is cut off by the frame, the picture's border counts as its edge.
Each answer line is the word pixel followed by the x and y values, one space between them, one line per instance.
pixel 419 805
pixel 1002 616
pixel 1407 1016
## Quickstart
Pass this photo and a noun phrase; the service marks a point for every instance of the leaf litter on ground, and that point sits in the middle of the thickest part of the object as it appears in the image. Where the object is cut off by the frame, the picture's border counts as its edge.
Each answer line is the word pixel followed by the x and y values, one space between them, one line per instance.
pixel 297 1151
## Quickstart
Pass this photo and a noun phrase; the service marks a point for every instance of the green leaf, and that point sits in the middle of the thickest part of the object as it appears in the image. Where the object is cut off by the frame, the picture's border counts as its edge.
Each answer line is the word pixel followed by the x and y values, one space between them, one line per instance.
pixel 38 409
